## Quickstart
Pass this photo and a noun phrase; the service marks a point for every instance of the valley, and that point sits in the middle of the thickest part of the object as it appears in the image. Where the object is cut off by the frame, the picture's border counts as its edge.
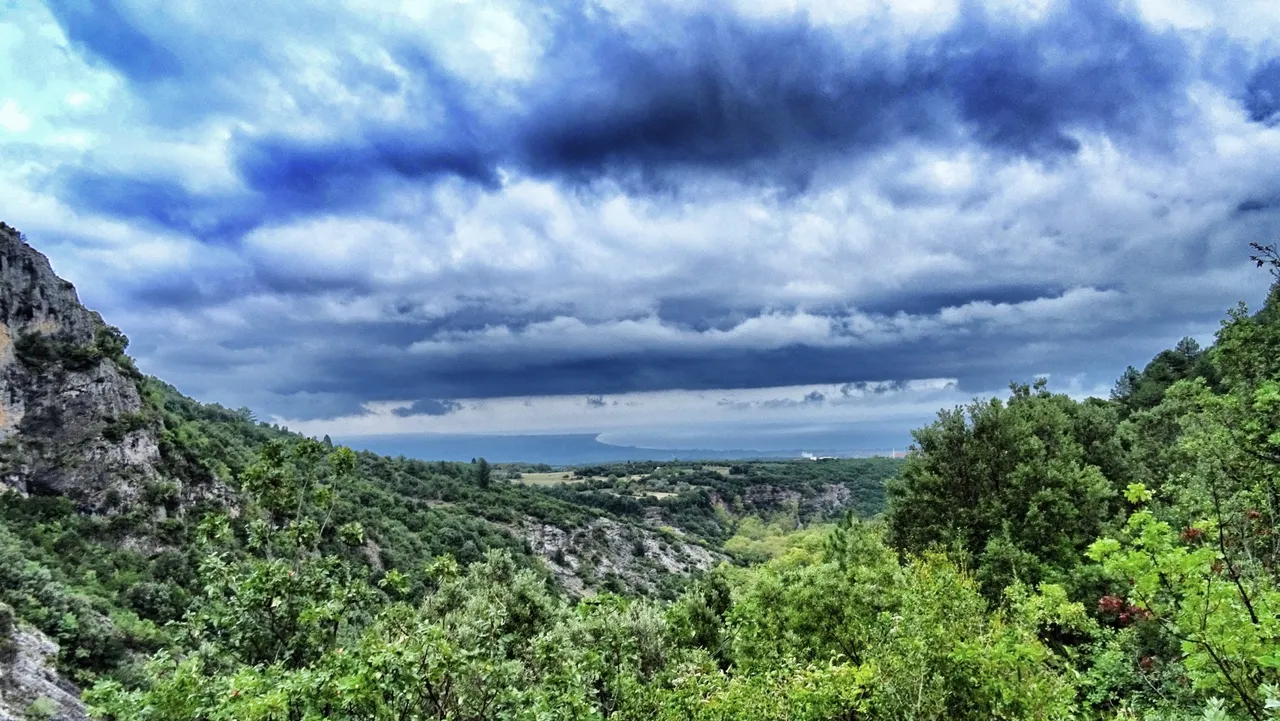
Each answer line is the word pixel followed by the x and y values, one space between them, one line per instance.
pixel 106 476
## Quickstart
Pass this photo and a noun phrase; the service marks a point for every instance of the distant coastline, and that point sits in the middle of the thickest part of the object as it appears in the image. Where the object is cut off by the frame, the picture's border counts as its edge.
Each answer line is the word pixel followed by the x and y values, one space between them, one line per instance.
pixel 572 449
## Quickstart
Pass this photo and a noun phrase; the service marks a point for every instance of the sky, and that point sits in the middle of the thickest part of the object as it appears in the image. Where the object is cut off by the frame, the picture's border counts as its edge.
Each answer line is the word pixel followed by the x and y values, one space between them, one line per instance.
pixel 673 223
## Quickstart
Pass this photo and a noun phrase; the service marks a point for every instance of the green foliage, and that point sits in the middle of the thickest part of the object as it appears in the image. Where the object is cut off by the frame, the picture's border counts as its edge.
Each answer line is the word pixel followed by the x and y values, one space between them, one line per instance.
pixel 117 429
pixel 41 352
pixel 756 541
pixel 42 709
pixel 492 641
pixel 1143 390
pixel 1019 489
pixel 95 634
pixel 35 350
pixel 8 624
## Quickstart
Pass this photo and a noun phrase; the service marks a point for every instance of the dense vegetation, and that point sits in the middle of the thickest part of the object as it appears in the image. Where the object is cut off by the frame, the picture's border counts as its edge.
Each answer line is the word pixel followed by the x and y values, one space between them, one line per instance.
pixel 1039 557
pixel 107 587
pixel 709 501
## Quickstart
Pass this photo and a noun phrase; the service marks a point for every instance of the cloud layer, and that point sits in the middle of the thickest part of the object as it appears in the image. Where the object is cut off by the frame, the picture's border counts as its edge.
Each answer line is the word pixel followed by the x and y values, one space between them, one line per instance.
pixel 307 209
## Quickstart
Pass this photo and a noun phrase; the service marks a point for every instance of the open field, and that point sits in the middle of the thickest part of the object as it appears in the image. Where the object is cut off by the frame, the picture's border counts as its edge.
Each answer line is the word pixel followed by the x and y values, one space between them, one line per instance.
pixel 549 479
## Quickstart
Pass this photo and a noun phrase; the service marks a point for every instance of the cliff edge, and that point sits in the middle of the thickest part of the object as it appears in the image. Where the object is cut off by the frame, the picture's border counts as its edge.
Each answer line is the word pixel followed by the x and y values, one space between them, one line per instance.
pixel 71 415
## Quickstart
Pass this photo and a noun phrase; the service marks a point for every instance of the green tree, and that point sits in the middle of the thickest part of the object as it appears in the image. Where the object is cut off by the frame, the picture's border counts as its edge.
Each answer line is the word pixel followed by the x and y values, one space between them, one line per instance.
pixel 1143 390
pixel 1017 488
pixel 278 608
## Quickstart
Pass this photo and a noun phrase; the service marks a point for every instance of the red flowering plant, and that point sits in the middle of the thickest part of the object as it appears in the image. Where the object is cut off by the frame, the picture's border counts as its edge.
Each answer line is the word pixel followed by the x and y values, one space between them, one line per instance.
pixel 1200 595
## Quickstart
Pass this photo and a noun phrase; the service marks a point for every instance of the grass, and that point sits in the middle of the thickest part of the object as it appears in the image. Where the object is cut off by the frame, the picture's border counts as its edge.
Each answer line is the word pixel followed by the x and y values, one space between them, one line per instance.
pixel 549 479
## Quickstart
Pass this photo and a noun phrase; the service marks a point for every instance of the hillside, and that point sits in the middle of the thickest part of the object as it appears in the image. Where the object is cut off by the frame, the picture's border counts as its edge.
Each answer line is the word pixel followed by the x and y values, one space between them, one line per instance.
pixel 1039 558
pixel 107 474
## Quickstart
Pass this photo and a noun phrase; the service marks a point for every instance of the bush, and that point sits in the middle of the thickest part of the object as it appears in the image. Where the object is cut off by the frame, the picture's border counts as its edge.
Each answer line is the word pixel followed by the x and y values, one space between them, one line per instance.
pixel 116 430
pixel 160 493
pixel 34 350
pixel 8 623
pixel 42 709
pixel 155 601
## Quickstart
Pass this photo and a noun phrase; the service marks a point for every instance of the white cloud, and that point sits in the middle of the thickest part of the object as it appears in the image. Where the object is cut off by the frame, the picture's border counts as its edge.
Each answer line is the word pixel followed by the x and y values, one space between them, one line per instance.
pixel 1079 309
pixel 12 118
pixel 647 418
pixel 629 412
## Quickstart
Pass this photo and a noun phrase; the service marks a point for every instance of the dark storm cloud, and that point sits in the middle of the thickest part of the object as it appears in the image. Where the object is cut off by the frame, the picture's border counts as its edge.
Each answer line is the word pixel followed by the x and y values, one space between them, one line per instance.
pixel 310 176
pixel 1262 93
pixel 979 360
pixel 442 136
pixel 770 99
pixel 734 95
pixel 878 388
pixel 105 30
pixel 429 407
pixel 160 202
pixel 702 314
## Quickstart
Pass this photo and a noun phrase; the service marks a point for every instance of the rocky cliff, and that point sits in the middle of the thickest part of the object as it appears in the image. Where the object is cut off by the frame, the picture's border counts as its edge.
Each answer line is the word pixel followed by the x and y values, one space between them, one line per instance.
pixel 29 686
pixel 606 554
pixel 71 416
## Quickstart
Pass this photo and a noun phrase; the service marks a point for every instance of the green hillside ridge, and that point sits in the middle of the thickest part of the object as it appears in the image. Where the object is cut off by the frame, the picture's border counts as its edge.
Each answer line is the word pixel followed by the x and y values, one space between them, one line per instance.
pixel 104 557
pixel 135 563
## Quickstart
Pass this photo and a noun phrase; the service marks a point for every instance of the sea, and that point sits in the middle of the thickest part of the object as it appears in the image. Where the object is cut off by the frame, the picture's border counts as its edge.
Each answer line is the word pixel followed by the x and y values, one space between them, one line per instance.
pixel 586 448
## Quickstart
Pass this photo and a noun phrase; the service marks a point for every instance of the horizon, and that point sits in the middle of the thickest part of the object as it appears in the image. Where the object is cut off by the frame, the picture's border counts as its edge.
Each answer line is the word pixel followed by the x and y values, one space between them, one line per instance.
pixel 569 450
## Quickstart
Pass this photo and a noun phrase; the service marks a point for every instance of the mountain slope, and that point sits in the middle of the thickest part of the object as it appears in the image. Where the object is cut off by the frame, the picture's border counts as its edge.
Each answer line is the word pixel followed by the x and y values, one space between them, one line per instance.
pixel 105 475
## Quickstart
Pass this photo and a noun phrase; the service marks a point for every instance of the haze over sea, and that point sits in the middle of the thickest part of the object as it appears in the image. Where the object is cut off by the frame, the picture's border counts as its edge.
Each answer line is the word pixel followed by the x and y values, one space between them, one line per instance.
pixel 849 440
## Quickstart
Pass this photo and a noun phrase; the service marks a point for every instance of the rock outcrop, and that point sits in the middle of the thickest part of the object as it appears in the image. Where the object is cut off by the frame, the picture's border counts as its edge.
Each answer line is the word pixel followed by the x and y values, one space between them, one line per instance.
pixel 585 559
pixel 29 685
pixel 71 415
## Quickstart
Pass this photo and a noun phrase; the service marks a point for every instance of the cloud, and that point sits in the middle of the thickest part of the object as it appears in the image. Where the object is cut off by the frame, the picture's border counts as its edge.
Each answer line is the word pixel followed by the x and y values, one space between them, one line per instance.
pixel 107 33
pixel 330 207
pixel 428 407
pixel 1262 93
pixel 742 409
pixel 777 96
pixel 775 99
pixel 12 119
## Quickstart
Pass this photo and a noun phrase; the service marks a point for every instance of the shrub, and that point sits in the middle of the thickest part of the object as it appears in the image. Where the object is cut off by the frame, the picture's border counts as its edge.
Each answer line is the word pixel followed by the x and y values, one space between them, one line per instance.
pixel 8 623
pixel 42 709
pixel 34 350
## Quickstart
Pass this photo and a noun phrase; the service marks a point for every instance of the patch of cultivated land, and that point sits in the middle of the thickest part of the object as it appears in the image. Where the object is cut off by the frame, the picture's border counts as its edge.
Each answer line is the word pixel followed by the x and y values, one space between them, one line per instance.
pixel 549 479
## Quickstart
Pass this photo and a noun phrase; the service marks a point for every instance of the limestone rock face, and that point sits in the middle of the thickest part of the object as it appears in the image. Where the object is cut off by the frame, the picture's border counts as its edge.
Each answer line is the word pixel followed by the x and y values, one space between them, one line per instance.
pixel 581 559
pixel 27 677
pixel 70 410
